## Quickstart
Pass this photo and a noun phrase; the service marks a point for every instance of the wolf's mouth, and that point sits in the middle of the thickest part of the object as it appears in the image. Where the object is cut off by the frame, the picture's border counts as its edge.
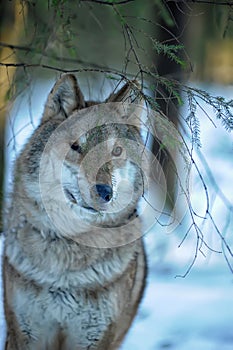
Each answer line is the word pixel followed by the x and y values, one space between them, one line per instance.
pixel 73 200
pixel 89 208
pixel 70 196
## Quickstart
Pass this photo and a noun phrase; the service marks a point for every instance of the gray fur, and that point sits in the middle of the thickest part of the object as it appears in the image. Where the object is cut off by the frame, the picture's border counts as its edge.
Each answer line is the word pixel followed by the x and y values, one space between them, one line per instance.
pixel 60 294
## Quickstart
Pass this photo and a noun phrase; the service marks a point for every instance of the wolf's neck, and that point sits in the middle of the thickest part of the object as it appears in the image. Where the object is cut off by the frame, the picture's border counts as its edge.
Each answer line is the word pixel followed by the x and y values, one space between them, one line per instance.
pixel 29 249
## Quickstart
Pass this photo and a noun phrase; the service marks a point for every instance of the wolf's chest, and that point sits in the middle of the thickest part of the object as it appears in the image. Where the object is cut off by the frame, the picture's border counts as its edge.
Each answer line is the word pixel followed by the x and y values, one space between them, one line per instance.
pixel 87 308
pixel 74 318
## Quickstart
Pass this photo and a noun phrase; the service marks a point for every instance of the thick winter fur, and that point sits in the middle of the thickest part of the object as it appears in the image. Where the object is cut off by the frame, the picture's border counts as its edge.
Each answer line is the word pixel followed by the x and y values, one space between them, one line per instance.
pixel 60 294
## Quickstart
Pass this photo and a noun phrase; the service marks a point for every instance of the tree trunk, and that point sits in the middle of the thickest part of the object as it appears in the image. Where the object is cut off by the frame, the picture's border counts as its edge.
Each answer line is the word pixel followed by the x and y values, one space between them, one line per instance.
pixel 11 24
pixel 169 106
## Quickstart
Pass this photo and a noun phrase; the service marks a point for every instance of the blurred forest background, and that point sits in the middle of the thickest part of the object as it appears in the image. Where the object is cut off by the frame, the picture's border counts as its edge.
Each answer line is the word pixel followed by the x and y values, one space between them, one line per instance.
pixel 167 45
pixel 181 51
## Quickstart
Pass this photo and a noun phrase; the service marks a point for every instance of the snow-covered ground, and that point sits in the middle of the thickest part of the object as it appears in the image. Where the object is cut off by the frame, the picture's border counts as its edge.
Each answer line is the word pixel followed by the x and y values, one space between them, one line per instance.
pixel 185 314
pixel 195 312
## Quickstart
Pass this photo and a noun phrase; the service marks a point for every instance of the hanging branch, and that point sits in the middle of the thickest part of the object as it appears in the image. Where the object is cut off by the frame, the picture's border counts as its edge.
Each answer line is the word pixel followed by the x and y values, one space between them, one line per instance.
pixel 110 3
pixel 209 2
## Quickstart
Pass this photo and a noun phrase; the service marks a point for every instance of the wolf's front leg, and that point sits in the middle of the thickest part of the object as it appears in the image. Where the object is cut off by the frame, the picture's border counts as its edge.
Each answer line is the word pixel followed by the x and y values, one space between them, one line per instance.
pixel 17 341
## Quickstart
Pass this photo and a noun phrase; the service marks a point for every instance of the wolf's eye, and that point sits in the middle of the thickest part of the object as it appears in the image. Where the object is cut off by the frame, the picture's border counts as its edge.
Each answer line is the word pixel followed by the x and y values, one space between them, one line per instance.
pixel 117 151
pixel 76 147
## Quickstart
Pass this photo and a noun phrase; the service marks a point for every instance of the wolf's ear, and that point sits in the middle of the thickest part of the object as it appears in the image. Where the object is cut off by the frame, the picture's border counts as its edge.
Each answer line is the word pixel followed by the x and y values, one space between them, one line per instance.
pixel 130 92
pixel 64 97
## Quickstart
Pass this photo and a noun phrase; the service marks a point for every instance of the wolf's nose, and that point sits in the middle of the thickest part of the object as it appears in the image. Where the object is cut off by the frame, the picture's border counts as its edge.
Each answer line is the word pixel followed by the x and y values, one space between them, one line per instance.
pixel 104 191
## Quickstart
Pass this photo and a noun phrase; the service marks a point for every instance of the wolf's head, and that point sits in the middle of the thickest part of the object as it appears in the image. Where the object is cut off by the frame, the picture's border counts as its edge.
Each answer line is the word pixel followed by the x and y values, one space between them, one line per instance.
pixel 86 158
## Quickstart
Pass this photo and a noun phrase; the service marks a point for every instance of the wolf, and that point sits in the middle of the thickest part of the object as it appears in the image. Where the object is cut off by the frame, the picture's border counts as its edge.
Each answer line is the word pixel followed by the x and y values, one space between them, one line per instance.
pixel 74 269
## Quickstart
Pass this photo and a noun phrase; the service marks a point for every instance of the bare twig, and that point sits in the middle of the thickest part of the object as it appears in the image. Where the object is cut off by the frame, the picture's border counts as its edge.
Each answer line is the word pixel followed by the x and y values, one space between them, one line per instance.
pixel 57 58
pixel 210 2
pixel 123 2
